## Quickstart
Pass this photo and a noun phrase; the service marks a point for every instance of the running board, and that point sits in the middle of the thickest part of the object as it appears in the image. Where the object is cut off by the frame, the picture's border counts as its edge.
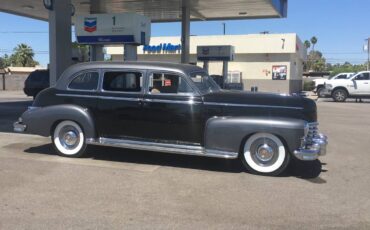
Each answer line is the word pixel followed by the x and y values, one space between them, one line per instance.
pixel 162 147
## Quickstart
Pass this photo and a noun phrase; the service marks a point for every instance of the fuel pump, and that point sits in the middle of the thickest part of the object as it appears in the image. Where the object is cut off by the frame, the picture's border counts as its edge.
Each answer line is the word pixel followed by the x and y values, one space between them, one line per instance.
pixel 216 53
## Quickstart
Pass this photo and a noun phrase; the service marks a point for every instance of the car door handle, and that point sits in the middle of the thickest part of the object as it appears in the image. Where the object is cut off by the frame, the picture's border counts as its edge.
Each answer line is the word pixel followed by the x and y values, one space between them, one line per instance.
pixel 366 83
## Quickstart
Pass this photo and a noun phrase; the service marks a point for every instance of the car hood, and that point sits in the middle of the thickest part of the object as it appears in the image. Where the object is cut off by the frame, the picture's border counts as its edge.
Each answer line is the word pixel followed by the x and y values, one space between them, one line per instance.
pixel 298 105
pixel 242 97
pixel 320 81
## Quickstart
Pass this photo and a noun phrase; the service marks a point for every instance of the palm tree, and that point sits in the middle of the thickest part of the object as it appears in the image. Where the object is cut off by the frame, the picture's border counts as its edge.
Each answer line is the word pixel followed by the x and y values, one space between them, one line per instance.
pixel 307 44
pixel 23 55
pixel 313 42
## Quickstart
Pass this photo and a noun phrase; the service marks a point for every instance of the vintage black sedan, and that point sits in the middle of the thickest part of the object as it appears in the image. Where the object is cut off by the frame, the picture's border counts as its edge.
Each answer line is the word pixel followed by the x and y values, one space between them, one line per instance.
pixel 173 108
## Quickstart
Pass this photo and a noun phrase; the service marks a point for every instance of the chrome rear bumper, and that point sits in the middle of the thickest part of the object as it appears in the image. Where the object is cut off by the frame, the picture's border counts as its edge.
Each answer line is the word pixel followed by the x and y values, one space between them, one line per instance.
pixel 314 150
pixel 18 127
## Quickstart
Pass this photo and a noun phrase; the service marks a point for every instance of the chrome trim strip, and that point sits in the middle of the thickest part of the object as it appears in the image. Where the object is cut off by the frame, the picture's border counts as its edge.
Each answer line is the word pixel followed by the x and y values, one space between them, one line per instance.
pixel 190 102
pixel 162 147
pixel 119 98
pixel 76 95
pixel 251 105
pixel 100 97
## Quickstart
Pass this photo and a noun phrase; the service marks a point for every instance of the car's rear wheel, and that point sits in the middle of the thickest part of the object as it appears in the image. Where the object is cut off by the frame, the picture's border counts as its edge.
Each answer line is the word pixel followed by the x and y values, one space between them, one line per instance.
pixel 265 154
pixel 69 139
pixel 339 95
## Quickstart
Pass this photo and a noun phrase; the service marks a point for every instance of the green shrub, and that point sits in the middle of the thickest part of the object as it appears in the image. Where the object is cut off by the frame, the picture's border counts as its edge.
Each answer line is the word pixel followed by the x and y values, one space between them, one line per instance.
pixel 308 86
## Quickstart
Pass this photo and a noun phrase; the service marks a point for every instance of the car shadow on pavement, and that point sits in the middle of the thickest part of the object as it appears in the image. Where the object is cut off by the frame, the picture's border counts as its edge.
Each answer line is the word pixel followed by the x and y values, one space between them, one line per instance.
pixel 307 170
pixel 298 169
pixel 349 101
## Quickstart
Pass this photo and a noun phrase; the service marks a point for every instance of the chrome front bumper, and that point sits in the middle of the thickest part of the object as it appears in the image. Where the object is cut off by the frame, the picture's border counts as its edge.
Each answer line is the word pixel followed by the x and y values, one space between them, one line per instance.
pixel 326 92
pixel 314 150
pixel 18 127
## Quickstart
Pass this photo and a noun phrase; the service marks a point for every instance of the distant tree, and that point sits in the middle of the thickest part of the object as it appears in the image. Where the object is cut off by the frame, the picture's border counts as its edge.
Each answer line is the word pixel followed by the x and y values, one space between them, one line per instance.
pixel 307 44
pixel 315 62
pixel 23 56
pixel 82 49
pixel 5 61
pixel 345 68
pixel 313 42
pixel 2 63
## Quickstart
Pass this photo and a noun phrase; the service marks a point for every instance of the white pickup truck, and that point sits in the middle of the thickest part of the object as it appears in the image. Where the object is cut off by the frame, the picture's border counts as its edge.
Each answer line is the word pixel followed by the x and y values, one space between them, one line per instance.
pixel 320 83
pixel 357 86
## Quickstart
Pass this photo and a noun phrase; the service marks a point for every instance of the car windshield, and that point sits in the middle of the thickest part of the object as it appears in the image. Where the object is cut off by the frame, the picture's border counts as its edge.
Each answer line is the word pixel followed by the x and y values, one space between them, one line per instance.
pixel 338 76
pixel 204 82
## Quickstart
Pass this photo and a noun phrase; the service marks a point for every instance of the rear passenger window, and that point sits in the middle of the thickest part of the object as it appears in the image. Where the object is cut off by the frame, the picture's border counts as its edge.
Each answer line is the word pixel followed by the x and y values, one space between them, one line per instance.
pixel 85 81
pixel 123 81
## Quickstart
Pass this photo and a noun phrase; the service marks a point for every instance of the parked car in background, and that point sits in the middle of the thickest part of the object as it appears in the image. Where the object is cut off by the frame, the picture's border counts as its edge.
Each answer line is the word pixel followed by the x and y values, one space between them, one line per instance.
pixel 320 83
pixel 37 81
pixel 173 108
pixel 357 86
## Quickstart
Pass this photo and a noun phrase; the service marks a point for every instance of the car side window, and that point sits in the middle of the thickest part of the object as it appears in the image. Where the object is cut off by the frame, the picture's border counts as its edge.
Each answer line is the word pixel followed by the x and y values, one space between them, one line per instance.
pixel 85 81
pixel 120 81
pixel 166 83
pixel 343 76
pixel 363 76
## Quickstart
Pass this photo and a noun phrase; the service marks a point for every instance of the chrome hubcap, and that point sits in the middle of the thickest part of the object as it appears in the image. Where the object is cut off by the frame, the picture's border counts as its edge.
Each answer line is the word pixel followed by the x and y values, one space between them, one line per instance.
pixel 264 153
pixel 340 96
pixel 69 137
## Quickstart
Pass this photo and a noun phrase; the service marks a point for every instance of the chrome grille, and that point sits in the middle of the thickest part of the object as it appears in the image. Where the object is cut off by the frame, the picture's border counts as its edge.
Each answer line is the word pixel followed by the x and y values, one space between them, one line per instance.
pixel 313 132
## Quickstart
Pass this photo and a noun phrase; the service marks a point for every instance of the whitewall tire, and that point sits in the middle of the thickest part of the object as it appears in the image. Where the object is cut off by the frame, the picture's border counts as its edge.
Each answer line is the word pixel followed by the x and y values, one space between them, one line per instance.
pixel 69 139
pixel 265 154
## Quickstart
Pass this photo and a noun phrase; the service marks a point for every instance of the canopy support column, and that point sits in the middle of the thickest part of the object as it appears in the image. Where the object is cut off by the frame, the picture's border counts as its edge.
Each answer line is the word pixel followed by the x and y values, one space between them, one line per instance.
pixel 60 34
pixel 185 34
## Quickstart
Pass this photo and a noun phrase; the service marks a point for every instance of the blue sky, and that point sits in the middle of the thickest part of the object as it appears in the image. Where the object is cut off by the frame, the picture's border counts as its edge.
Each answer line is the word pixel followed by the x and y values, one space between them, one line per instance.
pixel 341 27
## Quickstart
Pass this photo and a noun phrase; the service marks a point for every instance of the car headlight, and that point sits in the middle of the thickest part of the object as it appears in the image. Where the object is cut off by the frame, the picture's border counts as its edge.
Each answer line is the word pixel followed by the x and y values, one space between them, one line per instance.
pixel 329 86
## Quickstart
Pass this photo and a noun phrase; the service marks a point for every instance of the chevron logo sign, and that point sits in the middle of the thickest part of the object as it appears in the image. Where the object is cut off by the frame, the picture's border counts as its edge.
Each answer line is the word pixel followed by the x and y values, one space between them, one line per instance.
pixel 90 24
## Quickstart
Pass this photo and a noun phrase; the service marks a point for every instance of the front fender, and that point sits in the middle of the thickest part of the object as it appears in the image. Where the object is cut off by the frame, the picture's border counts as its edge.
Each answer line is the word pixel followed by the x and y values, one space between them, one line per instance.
pixel 228 133
pixel 40 121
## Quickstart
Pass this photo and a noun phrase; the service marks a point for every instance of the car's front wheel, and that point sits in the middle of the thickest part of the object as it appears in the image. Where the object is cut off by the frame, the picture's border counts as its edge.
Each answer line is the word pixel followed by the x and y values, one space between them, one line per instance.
pixel 265 154
pixel 69 139
pixel 320 92
pixel 339 95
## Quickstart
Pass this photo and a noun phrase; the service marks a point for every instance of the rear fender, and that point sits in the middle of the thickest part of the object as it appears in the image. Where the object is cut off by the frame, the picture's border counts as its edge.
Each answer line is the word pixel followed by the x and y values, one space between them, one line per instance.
pixel 41 120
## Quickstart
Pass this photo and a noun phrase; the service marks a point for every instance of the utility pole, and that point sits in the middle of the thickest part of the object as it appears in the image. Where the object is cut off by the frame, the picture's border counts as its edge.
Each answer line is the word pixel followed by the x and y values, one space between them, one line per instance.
pixel 368 54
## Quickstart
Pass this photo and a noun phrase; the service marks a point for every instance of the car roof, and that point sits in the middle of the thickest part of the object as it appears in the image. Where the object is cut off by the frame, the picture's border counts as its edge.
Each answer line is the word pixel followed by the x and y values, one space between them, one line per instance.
pixel 140 65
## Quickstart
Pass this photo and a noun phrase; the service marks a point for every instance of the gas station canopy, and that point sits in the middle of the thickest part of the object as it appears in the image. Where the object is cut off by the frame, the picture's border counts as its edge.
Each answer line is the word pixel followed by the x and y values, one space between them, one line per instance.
pixel 159 10
pixel 58 12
